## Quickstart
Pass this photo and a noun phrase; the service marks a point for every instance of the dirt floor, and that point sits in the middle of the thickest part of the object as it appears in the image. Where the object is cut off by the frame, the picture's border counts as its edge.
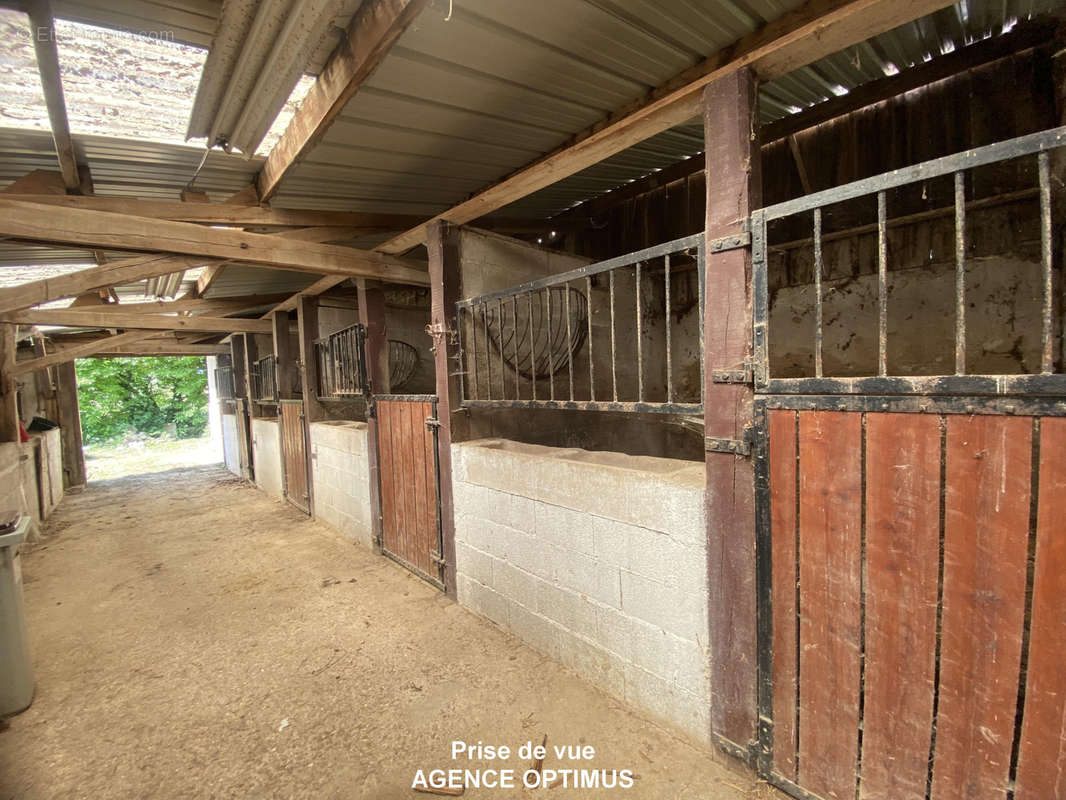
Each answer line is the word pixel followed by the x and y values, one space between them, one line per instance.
pixel 194 638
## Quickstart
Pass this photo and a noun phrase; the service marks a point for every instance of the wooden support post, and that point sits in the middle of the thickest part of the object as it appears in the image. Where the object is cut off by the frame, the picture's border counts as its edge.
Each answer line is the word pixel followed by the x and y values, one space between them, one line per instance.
pixel 307 325
pixel 285 368
pixel 9 414
pixel 730 123
pixel 372 317
pixel 444 281
pixel 251 355
pixel 240 366
pixel 70 426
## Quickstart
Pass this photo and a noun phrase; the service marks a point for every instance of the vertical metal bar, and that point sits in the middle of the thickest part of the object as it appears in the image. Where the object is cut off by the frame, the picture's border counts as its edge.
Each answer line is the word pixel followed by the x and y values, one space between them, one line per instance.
pixel 960 273
pixel 669 339
pixel 588 315
pixel 569 342
pixel 503 366
pixel 532 349
pixel 476 393
pixel 551 357
pixel 514 316
pixel 818 293
pixel 640 341
pixel 488 350
pixel 614 359
pixel 882 286
pixel 1046 361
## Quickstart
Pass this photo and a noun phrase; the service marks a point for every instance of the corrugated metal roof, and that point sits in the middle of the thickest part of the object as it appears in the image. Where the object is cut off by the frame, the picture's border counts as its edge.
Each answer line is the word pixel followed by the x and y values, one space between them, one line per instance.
pixel 458 105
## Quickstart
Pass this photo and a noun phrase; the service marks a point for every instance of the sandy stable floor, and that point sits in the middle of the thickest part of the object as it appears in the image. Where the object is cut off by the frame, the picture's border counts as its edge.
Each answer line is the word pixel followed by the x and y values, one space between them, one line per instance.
pixel 195 638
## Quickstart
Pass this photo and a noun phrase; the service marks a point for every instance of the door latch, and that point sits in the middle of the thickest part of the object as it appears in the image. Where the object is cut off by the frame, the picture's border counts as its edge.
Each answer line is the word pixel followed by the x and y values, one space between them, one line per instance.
pixel 738 447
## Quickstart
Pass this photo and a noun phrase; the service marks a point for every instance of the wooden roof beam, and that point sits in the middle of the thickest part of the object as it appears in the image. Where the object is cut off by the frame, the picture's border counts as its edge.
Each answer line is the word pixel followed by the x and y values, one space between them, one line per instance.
pixel 371 34
pixel 798 38
pixel 50 224
pixel 131 321
pixel 42 28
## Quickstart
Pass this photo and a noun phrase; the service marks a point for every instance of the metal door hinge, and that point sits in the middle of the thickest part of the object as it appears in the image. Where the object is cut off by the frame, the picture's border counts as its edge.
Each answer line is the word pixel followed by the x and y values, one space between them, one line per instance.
pixel 724 243
pixel 437 559
pixel 738 447
pixel 432 422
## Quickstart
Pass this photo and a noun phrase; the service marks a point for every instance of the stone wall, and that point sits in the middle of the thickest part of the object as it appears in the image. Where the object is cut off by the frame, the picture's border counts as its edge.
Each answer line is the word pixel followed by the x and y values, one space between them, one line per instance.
pixel 266 457
pixel 597 560
pixel 341 476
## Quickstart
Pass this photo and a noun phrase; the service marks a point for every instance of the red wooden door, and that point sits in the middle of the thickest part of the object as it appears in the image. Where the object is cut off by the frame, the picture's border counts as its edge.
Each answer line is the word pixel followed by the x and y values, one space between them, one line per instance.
pixel 410 510
pixel 294 454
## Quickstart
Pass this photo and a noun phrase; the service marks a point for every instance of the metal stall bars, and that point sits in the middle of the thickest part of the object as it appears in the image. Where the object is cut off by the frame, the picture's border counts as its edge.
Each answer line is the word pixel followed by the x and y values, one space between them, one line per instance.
pixel 265 380
pixel 907 646
pixel 516 341
pixel 224 383
pixel 342 365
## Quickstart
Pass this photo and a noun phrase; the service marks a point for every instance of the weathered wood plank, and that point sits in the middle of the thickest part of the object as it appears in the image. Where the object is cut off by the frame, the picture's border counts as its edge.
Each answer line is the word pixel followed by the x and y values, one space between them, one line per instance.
pixel 1042 754
pixel 830 558
pixel 42 223
pixel 902 567
pixel 44 46
pixel 159 322
pixel 785 623
pixel 371 34
pixel 80 350
pixel 986 532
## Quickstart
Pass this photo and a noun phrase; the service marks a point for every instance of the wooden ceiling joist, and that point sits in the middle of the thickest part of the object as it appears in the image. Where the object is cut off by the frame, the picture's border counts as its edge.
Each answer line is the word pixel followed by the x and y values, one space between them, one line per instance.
pixel 50 224
pixel 798 38
pixel 80 350
pixel 373 30
pixel 162 349
pixel 130 321
pixel 226 212
pixel 44 45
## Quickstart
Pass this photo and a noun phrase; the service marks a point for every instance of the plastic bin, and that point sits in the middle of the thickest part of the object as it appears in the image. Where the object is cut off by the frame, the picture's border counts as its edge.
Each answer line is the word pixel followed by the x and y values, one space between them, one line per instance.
pixel 16 666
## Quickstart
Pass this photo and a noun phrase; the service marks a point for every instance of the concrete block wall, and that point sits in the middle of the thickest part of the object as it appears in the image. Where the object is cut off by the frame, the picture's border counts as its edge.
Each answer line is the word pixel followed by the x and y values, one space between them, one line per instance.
pixel 266 456
pixel 341 475
pixel 231 446
pixel 596 559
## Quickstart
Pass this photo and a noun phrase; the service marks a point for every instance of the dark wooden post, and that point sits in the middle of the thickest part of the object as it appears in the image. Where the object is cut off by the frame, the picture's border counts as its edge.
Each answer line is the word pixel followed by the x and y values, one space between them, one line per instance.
pixel 242 403
pixel 9 413
pixel 444 280
pixel 307 324
pixel 251 355
pixel 730 118
pixel 372 317
pixel 285 366
pixel 70 426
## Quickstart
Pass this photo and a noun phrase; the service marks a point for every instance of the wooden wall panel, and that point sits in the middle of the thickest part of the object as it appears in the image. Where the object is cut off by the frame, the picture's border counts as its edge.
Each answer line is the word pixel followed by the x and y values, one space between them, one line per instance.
pixel 782 426
pixel 830 542
pixel 1042 754
pixel 902 566
pixel 986 532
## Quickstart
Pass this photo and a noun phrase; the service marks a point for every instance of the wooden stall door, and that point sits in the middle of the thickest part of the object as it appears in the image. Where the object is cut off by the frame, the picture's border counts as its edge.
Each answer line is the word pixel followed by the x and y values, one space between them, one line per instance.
pixel 294 454
pixel 900 548
pixel 410 508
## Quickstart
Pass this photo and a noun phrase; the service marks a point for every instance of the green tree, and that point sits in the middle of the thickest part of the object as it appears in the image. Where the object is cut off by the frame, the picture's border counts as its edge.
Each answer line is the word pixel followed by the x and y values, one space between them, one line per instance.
pixel 144 395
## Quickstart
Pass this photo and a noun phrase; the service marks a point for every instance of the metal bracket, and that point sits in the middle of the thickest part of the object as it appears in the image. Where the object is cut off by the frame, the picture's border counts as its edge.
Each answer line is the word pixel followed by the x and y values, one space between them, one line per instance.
pixel 437 558
pixel 432 422
pixel 729 242
pixel 738 447
pixel 743 374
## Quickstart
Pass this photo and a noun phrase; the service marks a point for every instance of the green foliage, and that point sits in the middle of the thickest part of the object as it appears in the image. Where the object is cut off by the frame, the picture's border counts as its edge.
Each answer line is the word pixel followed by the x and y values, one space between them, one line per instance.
pixel 143 395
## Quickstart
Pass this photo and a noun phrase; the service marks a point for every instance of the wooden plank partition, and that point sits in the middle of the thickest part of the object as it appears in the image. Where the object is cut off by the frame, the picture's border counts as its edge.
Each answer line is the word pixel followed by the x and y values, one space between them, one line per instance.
pixel 294 454
pixel 410 527
pixel 915 601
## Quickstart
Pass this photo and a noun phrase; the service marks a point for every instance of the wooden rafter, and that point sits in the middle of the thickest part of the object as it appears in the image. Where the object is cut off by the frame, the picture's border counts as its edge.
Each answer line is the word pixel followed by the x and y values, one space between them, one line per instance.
pixel 373 30
pixel 128 321
pixel 80 350
pixel 49 224
pixel 228 213
pixel 44 45
pixel 798 38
